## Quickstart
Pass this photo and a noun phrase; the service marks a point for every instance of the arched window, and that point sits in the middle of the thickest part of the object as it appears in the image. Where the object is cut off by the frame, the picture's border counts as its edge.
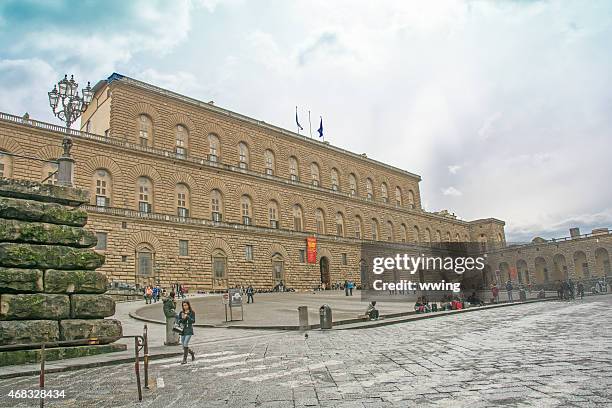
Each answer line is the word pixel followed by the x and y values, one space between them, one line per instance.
pixel 278 269
pixel 403 233
pixel 320 221
pixel 410 199
pixel 182 141
pixel 352 179
pixel 358 227
pixel 213 148
pixel 219 268
pixel 216 205
pixel 246 209
pixel 339 224
pixel 417 234
pixel 182 200
pixel 102 185
pixel 269 161
pixel 49 173
pixel 314 174
pixel 6 165
pixel 384 192
pixel 374 227
pixel 448 236
pixel 335 179
pixel 145 130
pixel 457 237
pixel 398 197
pixel 243 155
pixel 369 189
pixel 427 235
pixel 438 236
pixel 294 170
pixel 273 214
pixel 144 193
pixel 298 218
pixel 389 231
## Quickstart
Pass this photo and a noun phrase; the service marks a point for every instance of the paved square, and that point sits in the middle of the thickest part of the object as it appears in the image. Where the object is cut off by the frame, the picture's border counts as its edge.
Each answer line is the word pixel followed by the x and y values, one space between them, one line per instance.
pixel 539 354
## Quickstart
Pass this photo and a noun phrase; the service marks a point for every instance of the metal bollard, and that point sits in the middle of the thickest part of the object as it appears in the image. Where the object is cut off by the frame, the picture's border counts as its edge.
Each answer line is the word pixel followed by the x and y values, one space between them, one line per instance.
pixel 146 357
pixel 303 318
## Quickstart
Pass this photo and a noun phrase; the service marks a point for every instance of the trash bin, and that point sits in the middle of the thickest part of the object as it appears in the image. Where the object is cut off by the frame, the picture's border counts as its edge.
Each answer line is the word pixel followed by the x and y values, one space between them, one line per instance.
pixel 522 295
pixel 325 317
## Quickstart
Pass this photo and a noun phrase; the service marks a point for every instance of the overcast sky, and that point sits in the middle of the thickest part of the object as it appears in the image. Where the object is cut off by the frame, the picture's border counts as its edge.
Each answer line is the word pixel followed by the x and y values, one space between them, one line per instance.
pixel 503 108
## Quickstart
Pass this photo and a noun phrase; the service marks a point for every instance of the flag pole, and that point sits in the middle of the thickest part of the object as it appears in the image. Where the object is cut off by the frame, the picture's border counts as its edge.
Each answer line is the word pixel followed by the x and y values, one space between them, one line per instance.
pixel 310 124
pixel 297 124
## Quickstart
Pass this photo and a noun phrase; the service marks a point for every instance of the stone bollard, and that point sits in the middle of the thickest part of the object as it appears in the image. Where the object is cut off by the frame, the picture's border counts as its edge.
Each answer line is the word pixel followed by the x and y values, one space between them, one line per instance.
pixel 303 318
pixel 172 338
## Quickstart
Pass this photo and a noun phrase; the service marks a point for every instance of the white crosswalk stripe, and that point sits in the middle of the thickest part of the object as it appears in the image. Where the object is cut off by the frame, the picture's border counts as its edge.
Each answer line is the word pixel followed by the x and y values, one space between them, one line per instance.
pixel 174 359
pixel 270 376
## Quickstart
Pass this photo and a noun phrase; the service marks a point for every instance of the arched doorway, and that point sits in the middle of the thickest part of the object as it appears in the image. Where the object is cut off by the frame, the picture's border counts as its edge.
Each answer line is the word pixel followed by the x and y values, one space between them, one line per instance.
pixel 278 270
pixel 559 267
pixel 504 270
pixel 523 272
pixel 145 264
pixel 325 275
pixel 541 270
pixel 602 262
pixel 581 266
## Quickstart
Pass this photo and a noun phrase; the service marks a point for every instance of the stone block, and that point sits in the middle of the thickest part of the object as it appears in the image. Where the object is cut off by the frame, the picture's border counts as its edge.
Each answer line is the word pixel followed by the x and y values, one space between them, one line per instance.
pixel 28 331
pixel 31 190
pixel 47 234
pixel 28 210
pixel 21 280
pixel 48 257
pixel 75 329
pixel 34 306
pixel 56 281
pixel 91 306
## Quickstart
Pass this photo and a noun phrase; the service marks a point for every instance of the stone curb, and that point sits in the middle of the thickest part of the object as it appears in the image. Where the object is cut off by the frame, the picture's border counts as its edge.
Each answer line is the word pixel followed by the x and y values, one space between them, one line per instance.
pixel 51 368
pixel 356 323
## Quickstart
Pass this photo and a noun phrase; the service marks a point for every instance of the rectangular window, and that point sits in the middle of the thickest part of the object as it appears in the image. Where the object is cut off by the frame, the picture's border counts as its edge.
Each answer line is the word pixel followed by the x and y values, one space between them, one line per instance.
pixel 216 216
pixel 294 177
pixel 269 172
pixel 123 224
pixel 182 212
pixel 302 255
pixel 101 245
pixel 274 224
pixel 248 252
pixel 144 207
pixel 344 259
pixel 145 264
pixel 101 201
pixel 183 247
pixel 123 258
pixel 180 152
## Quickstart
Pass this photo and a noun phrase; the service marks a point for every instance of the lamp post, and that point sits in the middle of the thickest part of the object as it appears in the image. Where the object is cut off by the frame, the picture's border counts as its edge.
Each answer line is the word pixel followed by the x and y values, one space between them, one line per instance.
pixel 67 105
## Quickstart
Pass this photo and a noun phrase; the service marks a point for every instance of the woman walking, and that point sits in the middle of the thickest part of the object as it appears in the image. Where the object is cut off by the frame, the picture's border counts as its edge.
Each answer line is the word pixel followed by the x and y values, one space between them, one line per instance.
pixel 186 318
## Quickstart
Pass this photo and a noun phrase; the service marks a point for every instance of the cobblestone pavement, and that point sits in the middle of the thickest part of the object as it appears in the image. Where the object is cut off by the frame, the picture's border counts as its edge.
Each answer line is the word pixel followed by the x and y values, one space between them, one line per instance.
pixel 539 354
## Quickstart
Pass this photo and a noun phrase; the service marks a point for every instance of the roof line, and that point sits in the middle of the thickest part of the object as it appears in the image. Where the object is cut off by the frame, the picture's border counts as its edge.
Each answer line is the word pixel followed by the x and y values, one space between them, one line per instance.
pixel 125 79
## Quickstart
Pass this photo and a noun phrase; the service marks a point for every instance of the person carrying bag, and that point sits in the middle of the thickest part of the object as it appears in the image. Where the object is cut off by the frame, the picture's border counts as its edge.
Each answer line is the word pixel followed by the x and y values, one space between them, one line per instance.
pixel 184 326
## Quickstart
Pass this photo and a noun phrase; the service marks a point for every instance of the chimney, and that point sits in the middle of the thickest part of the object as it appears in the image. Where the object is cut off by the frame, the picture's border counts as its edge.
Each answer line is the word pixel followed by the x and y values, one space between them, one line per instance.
pixel 574 232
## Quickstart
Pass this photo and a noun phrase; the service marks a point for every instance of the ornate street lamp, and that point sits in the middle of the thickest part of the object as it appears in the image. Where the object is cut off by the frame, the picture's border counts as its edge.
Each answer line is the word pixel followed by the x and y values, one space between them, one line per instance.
pixel 68 106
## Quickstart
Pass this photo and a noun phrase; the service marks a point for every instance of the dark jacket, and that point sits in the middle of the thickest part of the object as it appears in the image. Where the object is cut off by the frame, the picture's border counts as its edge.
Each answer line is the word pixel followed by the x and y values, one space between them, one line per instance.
pixel 186 322
pixel 169 307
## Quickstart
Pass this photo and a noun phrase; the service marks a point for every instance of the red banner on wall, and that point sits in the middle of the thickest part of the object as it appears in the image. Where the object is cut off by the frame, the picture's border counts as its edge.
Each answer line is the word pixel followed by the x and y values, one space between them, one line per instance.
pixel 311 249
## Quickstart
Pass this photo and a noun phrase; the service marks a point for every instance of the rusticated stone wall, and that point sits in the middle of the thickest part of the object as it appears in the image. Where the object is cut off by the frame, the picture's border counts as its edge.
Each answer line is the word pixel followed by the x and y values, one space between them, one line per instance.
pixel 49 287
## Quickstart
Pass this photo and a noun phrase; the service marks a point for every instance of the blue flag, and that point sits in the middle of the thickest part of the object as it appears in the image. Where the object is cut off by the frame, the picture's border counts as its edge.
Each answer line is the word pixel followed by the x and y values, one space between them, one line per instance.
pixel 297 122
pixel 320 130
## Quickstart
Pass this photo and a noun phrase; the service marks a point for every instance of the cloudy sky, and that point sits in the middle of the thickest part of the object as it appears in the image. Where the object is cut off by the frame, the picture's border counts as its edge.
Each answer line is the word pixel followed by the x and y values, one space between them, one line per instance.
pixel 503 107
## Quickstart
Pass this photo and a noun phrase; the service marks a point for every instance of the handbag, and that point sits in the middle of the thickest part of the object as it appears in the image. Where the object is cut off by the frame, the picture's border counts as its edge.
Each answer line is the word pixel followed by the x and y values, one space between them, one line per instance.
pixel 178 327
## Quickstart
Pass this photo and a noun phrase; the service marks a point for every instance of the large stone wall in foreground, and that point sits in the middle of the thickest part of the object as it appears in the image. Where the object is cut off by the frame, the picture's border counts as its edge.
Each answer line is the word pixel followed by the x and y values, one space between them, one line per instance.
pixel 49 287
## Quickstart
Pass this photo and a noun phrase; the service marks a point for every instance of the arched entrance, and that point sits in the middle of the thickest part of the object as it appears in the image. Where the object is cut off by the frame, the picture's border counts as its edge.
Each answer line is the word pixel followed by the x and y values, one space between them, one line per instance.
pixel 560 267
pixel 581 265
pixel 541 270
pixel 602 262
pixel 523 272
pixel 278 270
pixel 325 275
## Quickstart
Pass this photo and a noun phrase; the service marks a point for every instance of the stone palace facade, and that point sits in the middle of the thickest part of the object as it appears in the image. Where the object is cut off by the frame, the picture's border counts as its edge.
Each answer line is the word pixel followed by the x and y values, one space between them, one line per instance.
pixel 185 191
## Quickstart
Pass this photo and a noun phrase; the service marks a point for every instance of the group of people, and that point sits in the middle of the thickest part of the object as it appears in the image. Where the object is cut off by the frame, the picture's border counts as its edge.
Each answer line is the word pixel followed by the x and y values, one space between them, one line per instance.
pixel 152 294
pixel 567 290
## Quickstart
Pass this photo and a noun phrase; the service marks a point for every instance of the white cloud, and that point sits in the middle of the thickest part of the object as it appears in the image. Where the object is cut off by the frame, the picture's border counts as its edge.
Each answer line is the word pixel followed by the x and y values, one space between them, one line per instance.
pixel 453 169
pixel 451 191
